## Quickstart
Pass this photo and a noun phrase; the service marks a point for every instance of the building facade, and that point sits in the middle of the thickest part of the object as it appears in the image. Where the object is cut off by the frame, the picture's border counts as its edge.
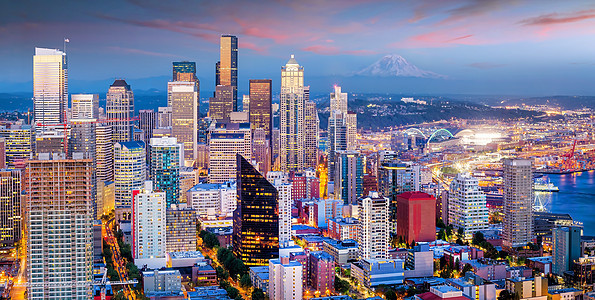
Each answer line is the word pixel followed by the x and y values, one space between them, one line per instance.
pixel 183 100
pixel 518 203
pixel 50 88
pixel 416 217
pixel 349 176
pixel 467 207
pixel 164 167
pixel 285 279
pixel 225 141
pixel 120 110
pixel 373 227
pixel 10 207
pixel 130 172
pixel 148 224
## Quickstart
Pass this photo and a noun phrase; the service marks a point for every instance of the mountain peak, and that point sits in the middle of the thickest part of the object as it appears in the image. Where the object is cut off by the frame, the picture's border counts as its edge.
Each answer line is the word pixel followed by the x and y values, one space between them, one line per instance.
pixel 394 65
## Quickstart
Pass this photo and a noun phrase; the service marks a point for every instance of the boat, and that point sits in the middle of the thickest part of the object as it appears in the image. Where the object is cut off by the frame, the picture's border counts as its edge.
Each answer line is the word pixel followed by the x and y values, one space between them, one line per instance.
pixel 541 185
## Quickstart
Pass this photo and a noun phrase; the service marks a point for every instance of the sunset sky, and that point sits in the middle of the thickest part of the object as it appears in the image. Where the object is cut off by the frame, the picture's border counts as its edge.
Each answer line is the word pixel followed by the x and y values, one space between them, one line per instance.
pixel 531 43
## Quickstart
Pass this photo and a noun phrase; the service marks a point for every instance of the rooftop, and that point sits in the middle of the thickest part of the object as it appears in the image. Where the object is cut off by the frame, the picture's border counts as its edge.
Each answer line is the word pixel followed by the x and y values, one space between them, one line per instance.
pixel 186 254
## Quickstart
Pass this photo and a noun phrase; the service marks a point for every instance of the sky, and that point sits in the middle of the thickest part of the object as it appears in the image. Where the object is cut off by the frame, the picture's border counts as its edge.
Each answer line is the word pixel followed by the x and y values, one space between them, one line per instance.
pixel 480 46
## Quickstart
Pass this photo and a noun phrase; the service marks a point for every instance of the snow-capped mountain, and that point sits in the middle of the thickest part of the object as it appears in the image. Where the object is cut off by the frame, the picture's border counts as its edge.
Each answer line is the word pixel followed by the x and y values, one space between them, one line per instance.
pixel 394 65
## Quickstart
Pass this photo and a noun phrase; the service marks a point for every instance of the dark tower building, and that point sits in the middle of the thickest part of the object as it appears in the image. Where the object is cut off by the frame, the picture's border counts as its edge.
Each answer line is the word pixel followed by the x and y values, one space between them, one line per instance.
pixel 184 71
pixel 217 73
pixel 261 105
pixel 256 219
pixel 147 121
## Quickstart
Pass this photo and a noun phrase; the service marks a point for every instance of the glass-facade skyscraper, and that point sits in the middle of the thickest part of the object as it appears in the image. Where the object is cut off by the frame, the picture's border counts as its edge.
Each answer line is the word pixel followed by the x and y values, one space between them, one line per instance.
pixel 256 218
pixel 50 87
pixel 164 169
pixel 120 110
pixel 228 66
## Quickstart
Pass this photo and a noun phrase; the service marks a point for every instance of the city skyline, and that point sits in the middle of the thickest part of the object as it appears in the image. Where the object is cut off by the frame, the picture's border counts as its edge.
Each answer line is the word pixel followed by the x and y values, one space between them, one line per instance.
pixel 455 40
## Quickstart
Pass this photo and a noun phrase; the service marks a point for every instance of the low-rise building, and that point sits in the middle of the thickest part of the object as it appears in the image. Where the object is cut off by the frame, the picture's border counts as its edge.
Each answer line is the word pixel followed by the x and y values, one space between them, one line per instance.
pixel 566 294
pixel 260 277
pixel 374 272
pixel 543 264
pixel 461 253
pixel 441 292
pixel 342 252
pixel 343 228
pixel 419 261
pixel 157 281
pixel 528 288
pixel 321 272
pixel 474 287
pixel 203 274
pixel 486 269
pixel 183 259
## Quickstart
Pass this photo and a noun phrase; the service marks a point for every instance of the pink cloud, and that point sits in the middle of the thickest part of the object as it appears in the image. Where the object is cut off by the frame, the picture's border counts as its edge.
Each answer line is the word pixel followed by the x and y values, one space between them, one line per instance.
pixel 141 52
pixel 557 18
pixel 333 50
pixel 437 39
pixel 252 46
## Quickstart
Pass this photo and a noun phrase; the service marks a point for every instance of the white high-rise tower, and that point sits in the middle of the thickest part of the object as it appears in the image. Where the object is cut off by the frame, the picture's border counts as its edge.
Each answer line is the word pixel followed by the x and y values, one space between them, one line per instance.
pixel 50 87
pixel 467 207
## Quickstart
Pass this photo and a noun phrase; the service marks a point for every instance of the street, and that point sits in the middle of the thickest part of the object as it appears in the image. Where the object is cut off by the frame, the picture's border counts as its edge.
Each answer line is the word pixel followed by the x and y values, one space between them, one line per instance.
pixel 119 263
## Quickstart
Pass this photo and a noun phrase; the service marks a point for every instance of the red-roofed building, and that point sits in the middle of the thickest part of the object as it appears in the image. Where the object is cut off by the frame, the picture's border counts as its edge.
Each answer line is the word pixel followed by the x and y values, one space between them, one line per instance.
pixel 416 220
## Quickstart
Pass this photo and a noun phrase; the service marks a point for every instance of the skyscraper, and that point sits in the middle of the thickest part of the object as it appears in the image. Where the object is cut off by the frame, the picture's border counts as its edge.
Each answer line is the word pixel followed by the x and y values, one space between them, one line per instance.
pixel 130 172
pixel 337 138
pixel 225 141
pixel 120 110
pixel 184 71
pixel 148 224
pixel 164 167
pixel 285 279
pixel 285 202
pixel 566 248
pixel 373 227
pixel 147 122
pixel 312 124
pixel 104 152
pixel 85 106
pixel 180 229
pixel 416 217
pixel 82 140
pixel 518 202
pixel 50 87
pixel 183 99
pixel 349 176
pixel 164 117
pixel 228 67
pixel 10 207
pixel 261 109
pixel 467 207
pixel 221 105
pixel 261 150
pixel 338 100
pixel 291 114
pixel 59 222
pixel 256 218
pixel 394 178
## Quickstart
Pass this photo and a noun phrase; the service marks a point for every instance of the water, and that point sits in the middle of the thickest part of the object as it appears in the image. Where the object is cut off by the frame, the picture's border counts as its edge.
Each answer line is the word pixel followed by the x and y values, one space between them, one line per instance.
pixel 576 197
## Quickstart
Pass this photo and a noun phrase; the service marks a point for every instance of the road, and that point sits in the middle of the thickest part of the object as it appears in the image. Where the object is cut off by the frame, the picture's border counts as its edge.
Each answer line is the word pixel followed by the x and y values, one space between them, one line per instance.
pixel 18 290
pixel 119 262
pixel 245 293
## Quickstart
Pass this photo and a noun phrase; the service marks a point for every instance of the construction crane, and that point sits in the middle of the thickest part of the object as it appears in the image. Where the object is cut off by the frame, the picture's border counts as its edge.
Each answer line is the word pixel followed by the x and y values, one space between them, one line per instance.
pixel 569 158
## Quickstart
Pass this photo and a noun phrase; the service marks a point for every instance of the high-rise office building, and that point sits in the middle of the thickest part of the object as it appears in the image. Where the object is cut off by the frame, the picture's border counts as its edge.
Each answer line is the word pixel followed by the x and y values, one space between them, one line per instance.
pixel 148 224
pixel 147 122
pixel 566 248
pixel 59 223
pixel 467 207
pixel 180 229
pixel 120 110
pixel 217 73
pixel 373 227
pixel 84 106
pixel 285 279
pixel 164 117
pixel 338 100
pixel 312 124
pixel 50 88
pixel 518 202
pixel 225 141
pixel 351 122
pixel 104 152
pixel 285 202
pixel 183 99
pixel 291 117
pixel 246 104
pixel 261 109
pixel 221 105
pixel 164 167
pixel 130 172
pixel 395 178
pixel 416 217
pixel 337 139
pixel 256 218
pixel 349 176
pixel 2 153
pixel 82 140
pixel 228 66
pixel 184 71
pixel 19 143
pixel 261 150
pixel 10 207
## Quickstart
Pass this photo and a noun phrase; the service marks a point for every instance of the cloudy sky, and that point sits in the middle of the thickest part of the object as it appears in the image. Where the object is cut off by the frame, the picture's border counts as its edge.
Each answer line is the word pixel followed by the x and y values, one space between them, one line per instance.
pixel 510 44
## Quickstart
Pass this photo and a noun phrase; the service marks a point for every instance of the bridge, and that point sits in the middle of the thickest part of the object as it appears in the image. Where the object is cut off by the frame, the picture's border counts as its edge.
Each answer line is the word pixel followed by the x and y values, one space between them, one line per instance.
pixel 442 132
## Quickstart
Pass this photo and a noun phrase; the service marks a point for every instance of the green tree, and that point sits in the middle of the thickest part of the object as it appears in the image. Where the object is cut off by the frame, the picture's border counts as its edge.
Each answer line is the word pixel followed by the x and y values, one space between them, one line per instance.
pixel 341 285
pixel 245 281
pixel 222 274
pixel 442 234
pixel 440 223
pixel 467 268
pixel 133 272
pixel 119 296
pixel 506 295
pixel 390 295
pixel 232 292
pixel 478 238
pixel 126 251
pixel 258 294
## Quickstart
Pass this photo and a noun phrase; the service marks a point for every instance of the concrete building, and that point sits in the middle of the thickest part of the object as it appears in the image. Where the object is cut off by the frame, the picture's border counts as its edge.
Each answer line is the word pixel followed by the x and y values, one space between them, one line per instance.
pixel 50 88
pixel 440 292
pixel 162 281
pixel 474 287
pixel 184 103
pixel 285 279
pixel 147 122
pixel 467 207
pixel 343 252
pixel 419 261
pixel 212 199
pixel 104 152
pixel 180 228
pixel 84 106
pixel 343 228
pixel 18 143
pixel 59 222
pixel 416 216
pixel 373 227
pixel 10 207
pixel 518 203
pixel 130 172
pixel 528 288
pixel 225 141
pixel 120 110
pixel 566 248
pixel 285 203
pixel 395 178
pixel 149 227
pixel 260 277
pixel 374 272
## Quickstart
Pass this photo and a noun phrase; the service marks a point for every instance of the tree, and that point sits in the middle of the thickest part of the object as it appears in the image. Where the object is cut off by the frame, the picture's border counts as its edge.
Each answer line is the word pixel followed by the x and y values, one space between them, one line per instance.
pixel 478 238
pixel 126 251
pixel 245 281
pixel 222 274
pixel 119 296
pixel 461 231
pixel 467 268
pixel 506 295
pixel 442 234
pixel 232 292
pixel 133 272
pixel 440 223
pixel 341 285
pixel 258 294
pixel 390 295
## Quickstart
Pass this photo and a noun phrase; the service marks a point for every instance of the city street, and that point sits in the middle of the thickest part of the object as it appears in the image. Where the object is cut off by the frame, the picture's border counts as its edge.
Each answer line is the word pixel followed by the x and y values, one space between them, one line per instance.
pixel 119 263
